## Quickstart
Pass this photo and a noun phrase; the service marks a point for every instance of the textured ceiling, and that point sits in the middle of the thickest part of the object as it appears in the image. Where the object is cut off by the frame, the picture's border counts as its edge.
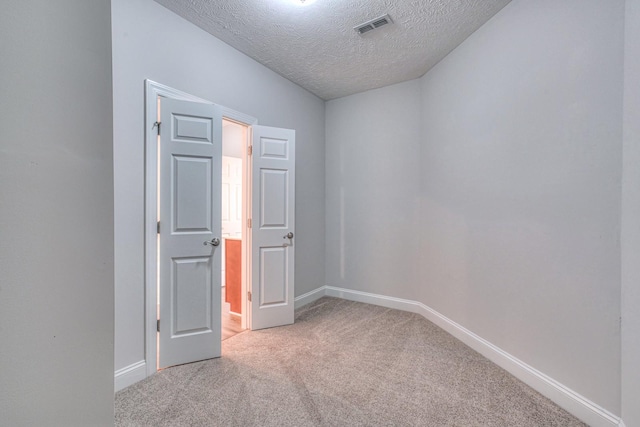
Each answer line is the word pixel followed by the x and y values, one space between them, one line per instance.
pixel 316 46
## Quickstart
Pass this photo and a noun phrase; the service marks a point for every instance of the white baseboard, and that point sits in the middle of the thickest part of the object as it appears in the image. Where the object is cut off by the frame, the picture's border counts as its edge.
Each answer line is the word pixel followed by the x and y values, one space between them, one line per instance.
pixel 309 297
pixel 564 397
pixel 130 374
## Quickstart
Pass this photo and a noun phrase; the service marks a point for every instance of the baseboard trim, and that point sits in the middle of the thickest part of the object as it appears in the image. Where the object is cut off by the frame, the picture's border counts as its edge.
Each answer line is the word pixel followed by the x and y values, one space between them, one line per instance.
pixel 309 297
pixel 574 403
pixel 131 374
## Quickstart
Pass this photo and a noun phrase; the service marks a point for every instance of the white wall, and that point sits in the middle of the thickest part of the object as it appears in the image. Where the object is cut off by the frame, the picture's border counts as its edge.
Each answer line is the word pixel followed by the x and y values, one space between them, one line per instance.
pixel 519 170
pixel 372 184
pixel 151 42
pixel 631 219
pixel 56 214
pixel 233 137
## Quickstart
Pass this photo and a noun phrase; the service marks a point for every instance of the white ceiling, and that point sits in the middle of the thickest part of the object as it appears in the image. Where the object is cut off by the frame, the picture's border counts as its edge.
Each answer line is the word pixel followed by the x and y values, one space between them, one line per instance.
pixel 315 45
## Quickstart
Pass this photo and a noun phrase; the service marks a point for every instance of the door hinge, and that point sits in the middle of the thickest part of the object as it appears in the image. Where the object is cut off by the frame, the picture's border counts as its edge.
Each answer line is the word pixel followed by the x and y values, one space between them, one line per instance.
pixel 249 223
pixel 157 124
pixel 158 326
pixel 249 296
pixel 158 227
pixel 250 150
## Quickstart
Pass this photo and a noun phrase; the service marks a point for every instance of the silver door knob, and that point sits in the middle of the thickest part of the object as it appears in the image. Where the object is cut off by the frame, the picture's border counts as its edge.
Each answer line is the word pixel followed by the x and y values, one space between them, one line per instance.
pixel 213 242
pixel 288 236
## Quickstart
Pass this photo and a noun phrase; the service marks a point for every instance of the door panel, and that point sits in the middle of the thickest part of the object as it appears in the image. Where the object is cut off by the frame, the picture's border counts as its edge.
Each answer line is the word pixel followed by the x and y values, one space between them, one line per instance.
pixel 191 295
pixel 189 214
pixel 273 209
pixel 191 191
pixel 191 129
pixel 274 148
pixel 273 277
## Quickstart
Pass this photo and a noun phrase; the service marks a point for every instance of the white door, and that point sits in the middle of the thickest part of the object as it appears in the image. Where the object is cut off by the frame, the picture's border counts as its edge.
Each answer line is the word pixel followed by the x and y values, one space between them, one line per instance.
pixel 273 227
pixel 189 215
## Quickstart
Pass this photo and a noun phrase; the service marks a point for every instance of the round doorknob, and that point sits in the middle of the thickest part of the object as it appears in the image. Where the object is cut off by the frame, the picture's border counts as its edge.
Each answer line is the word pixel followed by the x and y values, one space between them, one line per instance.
pixel 213 242
pixel 289 235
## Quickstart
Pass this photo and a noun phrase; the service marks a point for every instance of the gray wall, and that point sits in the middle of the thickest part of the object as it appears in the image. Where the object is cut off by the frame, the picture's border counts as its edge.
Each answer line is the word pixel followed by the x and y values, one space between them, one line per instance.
pixel 372 183
pixel 519 189
pixel 631 220
pixel 151 42
pixel 56 214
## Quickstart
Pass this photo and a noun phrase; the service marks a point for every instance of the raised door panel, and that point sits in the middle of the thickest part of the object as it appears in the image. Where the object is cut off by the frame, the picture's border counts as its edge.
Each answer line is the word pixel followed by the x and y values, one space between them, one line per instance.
pixel 191 192
pixel 191 129
pixel 191 303
pixel 273 276
pixel 274 148
pixel 274 203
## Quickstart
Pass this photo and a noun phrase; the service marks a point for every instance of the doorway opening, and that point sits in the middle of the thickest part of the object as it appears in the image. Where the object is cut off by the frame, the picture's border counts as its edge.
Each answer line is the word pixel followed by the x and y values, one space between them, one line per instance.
pixel 184 240
pixel 233 194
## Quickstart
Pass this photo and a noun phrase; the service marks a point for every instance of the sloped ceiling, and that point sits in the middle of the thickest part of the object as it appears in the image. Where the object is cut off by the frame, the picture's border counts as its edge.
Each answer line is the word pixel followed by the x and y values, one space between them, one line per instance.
pixel 315 44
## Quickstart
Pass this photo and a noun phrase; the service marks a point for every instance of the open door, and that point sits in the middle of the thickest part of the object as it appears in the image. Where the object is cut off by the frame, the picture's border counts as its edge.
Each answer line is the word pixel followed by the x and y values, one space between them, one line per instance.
pixel 272 229
pixel 189 230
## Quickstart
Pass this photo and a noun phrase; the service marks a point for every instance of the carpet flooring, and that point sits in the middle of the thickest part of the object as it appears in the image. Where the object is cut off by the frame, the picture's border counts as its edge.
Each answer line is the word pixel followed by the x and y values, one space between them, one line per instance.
pixel 341 364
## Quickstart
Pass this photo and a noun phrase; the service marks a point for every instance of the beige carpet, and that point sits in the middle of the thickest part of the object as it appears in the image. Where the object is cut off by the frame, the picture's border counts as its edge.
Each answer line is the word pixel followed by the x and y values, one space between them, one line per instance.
pixel 341 364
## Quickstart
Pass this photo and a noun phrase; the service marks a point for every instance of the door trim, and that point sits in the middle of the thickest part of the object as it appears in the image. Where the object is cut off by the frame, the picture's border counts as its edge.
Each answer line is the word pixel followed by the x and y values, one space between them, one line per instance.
pixel 152 91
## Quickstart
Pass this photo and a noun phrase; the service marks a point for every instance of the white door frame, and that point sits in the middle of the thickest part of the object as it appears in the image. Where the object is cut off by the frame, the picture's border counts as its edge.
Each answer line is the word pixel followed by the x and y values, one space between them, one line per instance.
pixel 152 91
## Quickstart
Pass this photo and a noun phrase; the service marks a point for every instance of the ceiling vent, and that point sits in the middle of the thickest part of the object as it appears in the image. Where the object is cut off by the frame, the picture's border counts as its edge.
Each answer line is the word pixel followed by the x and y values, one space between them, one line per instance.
pixel 373 24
